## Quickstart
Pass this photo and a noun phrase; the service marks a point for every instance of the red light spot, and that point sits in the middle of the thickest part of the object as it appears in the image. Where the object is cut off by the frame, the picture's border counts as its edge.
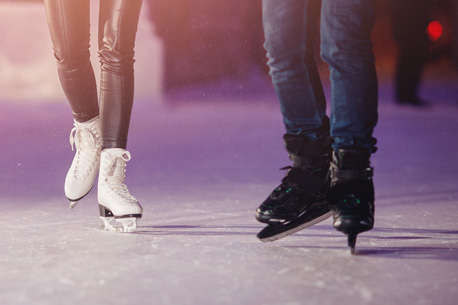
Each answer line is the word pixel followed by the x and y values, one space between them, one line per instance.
pixel 434 30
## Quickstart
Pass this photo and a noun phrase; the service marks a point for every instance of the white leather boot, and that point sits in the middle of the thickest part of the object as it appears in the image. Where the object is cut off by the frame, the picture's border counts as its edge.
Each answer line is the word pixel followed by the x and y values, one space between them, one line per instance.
pixel 115 201
pixel 86 137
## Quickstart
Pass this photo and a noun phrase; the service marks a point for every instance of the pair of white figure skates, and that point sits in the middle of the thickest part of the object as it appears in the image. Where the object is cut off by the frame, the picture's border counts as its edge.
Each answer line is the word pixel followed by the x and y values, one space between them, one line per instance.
pixel 115 201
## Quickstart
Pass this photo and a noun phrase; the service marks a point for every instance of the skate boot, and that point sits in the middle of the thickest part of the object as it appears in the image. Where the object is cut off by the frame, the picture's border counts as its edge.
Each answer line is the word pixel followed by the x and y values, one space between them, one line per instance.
pixel 115 201
pixel 299 201
pixel 352 193
pixel 81 175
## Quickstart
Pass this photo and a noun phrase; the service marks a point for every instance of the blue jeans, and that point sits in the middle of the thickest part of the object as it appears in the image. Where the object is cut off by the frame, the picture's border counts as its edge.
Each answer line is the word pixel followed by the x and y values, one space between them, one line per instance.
pixel 291 30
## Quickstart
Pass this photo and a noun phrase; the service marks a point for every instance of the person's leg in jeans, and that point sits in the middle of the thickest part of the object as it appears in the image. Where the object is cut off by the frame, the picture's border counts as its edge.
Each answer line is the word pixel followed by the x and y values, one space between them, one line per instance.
pixel 291 31
pixel 69 26
pixel 410 19
pixel 346 46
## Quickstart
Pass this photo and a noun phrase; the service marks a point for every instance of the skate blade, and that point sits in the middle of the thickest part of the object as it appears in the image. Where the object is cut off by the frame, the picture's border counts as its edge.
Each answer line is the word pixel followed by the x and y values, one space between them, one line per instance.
pixel 73 204
pixel 129 224
pixel 292 230
pixel 352 242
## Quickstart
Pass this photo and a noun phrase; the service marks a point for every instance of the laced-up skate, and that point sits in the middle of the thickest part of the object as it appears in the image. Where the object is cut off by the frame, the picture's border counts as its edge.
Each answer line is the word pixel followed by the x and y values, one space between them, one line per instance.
pixel 115 201
pixel 300 200
pixel 81 175
pixel 352 193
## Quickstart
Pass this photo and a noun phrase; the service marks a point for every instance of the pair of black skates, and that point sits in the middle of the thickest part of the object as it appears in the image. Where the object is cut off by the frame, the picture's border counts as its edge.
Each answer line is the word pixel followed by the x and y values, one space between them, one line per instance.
pixel 320 183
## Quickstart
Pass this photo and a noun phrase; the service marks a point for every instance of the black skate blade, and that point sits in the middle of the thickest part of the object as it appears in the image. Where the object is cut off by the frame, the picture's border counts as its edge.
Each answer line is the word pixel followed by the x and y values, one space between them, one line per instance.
pixel 276 232
pixel 352 242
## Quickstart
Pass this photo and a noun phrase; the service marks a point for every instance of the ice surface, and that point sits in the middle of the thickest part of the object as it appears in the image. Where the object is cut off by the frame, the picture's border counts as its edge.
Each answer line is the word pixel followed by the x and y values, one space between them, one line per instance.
pixel 200 166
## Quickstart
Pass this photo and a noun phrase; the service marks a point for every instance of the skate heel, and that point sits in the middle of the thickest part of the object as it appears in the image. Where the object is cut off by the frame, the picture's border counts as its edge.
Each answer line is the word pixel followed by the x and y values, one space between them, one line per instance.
pixel 105 212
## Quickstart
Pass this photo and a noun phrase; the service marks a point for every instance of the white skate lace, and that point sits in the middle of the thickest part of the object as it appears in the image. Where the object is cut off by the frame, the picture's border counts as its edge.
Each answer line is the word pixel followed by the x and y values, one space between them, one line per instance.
pixel 87 141
pixel 115 173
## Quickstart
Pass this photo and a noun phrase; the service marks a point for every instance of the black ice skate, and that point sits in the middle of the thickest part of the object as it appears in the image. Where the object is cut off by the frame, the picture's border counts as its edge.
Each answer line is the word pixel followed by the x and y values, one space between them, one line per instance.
pixel 352 193
pixel 300 200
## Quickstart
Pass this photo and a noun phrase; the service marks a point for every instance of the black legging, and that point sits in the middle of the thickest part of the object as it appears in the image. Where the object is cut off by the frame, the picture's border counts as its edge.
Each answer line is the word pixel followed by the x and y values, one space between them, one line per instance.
pixel 69 24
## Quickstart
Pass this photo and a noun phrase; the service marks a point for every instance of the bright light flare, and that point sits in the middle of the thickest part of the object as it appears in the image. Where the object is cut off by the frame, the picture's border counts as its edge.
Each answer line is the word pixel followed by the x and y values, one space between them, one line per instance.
pixel 434 30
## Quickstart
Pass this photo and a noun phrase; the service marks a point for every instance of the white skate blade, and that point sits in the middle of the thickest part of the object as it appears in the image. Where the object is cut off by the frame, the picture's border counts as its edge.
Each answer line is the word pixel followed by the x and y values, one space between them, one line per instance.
pixel 107 226
pixel 129 224
pixel 73 204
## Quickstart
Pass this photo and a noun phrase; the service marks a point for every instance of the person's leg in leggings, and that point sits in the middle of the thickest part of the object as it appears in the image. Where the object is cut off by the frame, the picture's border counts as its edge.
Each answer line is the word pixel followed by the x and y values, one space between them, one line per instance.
pixel 118 22
pixel 68 22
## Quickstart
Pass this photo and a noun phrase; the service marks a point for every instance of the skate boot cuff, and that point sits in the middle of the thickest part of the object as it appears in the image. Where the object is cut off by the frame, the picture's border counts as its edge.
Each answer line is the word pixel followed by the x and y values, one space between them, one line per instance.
pixel 351 158
pixel 305 153
pixel 350 165
pixel 342 175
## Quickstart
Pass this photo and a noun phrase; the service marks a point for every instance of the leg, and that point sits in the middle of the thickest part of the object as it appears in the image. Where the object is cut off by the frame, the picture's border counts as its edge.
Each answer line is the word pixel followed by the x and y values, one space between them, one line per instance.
pixel 117 30
pixel 69 26
pixel 290 28
pixel 455 33
pixel 68 22
pixel 347 48
pixel 410 20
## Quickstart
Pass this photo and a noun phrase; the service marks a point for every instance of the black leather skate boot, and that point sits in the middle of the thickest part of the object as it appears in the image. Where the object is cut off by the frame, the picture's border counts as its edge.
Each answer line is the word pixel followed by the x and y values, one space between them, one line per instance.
pixel 352 193
pixel 299 201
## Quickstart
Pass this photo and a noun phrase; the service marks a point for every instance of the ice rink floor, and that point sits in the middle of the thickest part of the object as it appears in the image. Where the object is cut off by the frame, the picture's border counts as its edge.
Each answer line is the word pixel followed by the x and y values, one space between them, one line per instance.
pixel 200 168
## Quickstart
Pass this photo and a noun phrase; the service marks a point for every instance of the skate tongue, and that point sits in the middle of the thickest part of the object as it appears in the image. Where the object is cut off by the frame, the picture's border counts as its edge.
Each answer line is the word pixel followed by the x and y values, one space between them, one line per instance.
pixel 295 175
pixel 118 153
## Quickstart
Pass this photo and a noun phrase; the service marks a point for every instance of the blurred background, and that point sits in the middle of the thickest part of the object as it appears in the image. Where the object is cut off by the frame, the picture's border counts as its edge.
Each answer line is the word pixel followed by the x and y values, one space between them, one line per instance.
pixel 183 44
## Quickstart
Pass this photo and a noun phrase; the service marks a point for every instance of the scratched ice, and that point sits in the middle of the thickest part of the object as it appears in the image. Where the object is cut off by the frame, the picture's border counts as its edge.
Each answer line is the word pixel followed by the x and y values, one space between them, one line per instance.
pixel 200 167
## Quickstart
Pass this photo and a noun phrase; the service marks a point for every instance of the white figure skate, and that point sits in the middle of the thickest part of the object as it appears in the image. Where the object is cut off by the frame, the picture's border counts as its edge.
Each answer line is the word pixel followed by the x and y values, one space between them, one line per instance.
pixel 81 175
pixel 115 201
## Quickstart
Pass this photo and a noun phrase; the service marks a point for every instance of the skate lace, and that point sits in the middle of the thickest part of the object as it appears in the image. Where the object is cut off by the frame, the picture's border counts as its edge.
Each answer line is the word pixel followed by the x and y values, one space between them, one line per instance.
pixel 87 142
pixel 285 187
pixel 116 175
